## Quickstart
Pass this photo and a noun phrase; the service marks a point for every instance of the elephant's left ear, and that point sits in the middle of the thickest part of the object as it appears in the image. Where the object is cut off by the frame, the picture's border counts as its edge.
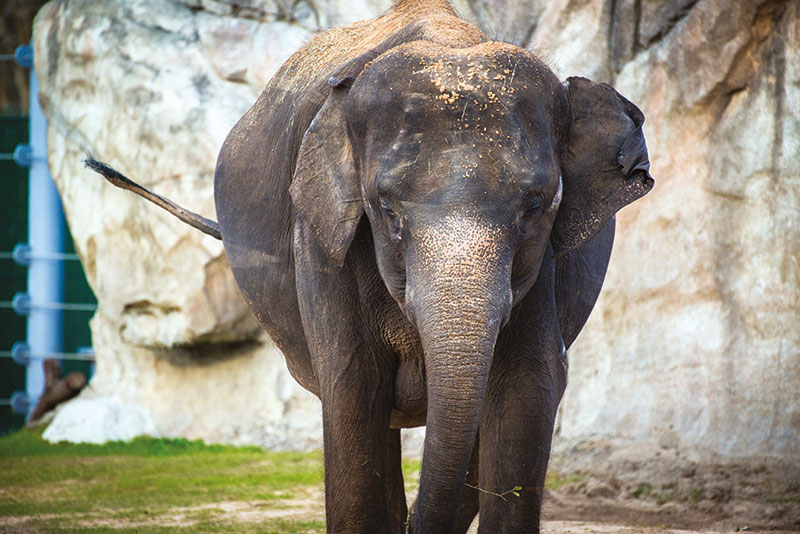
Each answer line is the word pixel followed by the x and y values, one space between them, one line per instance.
pixel 604 162
pixel 325 188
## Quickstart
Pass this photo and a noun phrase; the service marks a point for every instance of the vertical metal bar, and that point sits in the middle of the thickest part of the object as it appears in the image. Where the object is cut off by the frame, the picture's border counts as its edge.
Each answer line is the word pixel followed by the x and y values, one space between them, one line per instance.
pixel 45 236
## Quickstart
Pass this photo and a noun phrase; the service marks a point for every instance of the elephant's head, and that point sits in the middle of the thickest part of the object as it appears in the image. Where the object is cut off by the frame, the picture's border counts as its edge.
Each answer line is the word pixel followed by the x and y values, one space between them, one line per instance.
pixel 470 164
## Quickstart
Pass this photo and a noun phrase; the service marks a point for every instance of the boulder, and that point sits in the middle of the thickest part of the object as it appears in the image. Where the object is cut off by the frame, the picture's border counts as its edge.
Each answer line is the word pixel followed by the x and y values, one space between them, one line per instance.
pixel 98 420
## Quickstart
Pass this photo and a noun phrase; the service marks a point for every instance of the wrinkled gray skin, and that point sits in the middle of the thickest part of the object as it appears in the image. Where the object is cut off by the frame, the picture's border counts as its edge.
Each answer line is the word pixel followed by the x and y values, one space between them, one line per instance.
pixel 422 219
pixel 400 250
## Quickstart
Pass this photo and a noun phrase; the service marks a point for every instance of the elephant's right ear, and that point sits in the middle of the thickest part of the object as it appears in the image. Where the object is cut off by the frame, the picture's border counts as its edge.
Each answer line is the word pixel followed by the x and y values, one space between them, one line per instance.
pixel 325 189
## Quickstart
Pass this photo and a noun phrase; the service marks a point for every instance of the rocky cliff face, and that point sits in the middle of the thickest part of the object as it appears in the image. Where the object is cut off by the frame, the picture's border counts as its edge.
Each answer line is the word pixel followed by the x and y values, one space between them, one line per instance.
pixel 694 344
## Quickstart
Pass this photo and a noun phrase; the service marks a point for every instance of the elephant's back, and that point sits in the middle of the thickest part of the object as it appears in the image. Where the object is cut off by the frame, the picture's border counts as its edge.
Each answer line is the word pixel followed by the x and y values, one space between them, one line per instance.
pixel 257 160
pixel 251 190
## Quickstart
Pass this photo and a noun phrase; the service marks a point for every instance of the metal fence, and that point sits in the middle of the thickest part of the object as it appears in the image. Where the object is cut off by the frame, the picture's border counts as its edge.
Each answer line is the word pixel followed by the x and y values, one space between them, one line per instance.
pixel 44 304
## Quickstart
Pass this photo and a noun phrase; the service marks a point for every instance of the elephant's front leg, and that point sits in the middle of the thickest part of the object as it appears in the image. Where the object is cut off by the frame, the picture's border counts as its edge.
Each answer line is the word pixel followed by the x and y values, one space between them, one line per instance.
pixel 355 387
pixel 355 429
pixel 526 382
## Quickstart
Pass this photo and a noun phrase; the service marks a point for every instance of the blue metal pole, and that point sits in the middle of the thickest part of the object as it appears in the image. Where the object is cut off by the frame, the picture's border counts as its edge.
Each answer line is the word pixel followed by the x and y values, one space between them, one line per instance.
pixel 46 227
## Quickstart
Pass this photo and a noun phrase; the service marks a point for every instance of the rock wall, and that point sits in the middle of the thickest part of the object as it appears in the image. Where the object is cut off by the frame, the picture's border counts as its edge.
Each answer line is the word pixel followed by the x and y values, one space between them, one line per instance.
pixel 694 344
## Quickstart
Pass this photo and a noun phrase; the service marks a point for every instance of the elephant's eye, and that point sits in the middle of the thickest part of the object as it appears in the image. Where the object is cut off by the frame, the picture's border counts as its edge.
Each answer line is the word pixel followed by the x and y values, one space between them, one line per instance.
pixel 393 222
pixel 528 215
pixel 533 204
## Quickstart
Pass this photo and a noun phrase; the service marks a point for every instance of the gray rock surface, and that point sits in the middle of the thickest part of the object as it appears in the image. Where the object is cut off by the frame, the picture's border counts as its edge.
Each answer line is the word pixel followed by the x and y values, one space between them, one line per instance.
pixel 694 345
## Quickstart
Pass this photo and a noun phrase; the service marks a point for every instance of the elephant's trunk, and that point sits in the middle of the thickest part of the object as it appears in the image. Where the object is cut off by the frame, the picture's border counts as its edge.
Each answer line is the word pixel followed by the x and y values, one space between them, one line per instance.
pixel 459 296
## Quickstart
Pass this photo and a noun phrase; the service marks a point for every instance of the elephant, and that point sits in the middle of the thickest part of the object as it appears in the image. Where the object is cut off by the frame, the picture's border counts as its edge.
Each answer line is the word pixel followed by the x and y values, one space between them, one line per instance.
pixel 421 218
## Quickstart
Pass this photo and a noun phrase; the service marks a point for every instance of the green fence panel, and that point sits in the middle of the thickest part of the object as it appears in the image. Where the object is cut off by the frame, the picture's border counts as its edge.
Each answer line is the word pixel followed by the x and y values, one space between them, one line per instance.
pixel 13 278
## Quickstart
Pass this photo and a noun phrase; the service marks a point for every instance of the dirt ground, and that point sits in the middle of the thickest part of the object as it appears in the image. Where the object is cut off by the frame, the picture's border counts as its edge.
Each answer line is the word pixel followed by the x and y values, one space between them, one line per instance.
pixel 565 512
pixel 569 512
pixel 577 514
pixel 657 489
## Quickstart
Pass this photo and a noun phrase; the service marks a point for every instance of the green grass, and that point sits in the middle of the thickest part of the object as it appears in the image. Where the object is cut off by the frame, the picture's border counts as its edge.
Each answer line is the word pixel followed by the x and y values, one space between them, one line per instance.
pixel 555 480
pixel 643 489
pixel 411 474
pixel 159 486
pixel 782 499
pixel 30 443
pixel 67 487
